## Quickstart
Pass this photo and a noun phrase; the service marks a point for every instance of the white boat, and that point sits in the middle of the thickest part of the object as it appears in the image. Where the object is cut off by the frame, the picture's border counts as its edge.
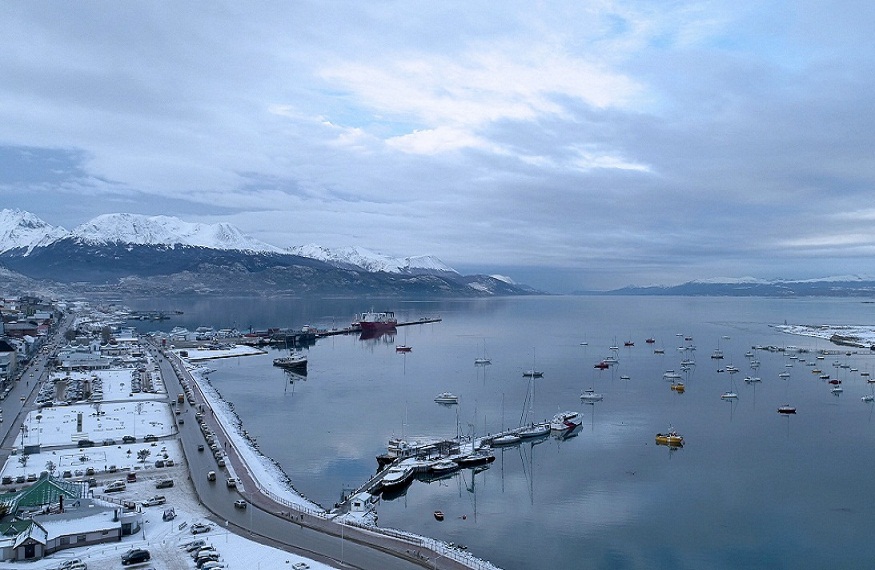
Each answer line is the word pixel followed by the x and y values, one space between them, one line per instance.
pixel 784 375
pixel 396 476
pixel 565 421
pixel 591 396
pixel 506 439
pixel 446 398
pixel 296 360
pixel 753 379
pixel 729 396
pixel 671 375
pixel 443 466
pixel 483 360
pixel 534 430
pixel 786 409
pixel 868 398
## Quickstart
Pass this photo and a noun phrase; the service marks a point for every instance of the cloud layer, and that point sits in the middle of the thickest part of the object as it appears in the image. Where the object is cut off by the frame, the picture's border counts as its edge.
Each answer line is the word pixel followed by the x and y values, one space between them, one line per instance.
pixel 607 143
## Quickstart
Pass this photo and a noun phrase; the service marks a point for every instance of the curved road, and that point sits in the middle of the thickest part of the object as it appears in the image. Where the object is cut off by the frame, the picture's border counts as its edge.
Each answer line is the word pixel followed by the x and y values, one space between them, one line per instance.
pixel 272 522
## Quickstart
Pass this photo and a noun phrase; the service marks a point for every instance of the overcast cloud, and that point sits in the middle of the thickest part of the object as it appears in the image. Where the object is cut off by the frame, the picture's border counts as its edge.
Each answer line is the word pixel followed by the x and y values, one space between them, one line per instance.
pixel 571 145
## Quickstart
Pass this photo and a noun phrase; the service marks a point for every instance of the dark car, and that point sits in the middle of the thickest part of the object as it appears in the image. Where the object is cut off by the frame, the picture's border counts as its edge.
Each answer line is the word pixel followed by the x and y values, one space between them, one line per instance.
pixel 129 439
pixel 86 443
pixel 164 483
pixel 135 556
pixel 150 437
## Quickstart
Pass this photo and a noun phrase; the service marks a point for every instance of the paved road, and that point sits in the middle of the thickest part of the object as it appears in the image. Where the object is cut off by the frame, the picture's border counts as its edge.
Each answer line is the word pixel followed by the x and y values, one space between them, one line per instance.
pixel 303 533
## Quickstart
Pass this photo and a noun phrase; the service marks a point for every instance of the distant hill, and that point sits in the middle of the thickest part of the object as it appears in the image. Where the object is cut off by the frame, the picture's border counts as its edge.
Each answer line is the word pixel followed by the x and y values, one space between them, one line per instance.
pixel 165 255
pixel 841 286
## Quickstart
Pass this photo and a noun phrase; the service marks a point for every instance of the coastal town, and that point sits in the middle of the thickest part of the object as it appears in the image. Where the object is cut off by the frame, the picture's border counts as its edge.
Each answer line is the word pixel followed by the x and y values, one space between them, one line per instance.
pixel 116 450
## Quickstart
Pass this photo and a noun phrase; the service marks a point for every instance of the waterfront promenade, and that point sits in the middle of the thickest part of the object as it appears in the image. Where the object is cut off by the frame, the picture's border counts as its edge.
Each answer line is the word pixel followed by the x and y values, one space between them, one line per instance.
pixel 291 525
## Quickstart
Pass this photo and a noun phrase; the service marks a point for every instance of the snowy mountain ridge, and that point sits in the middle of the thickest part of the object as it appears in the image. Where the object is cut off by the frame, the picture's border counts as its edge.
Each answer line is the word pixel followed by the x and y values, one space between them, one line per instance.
pixel 23 230
pixel 370 260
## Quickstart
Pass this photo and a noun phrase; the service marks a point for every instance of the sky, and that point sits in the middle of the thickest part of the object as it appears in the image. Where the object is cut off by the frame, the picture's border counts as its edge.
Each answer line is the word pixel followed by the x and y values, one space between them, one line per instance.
pixel 568 145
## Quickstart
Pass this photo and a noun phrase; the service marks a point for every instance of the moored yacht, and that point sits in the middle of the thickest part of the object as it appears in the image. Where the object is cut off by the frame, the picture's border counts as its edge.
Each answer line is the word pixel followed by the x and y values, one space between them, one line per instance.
pixel 566 420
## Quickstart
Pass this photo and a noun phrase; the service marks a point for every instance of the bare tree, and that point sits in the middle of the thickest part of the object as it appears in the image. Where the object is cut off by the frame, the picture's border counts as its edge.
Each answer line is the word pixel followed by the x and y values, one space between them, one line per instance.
pixel 143 454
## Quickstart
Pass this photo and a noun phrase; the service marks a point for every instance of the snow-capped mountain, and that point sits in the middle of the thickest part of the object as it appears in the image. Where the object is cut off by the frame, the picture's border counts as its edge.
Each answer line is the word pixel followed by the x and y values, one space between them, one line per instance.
pixel 167 230
pixel 372 261
pixel 164 255
pixel 20 229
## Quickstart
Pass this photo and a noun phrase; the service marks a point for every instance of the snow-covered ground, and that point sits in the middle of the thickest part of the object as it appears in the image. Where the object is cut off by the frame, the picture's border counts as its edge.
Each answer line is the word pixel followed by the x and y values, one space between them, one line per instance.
pixel 122 413
pixel 864 334
pixel 164 539
pixel 224 351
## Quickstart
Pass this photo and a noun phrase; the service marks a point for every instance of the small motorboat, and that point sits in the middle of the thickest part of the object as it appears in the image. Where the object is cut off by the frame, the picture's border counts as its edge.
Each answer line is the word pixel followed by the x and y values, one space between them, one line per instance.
pixel 443 466
pixel 591 396
pixel 868 398
pixel 753 379
pixel 446 398
pixel 624 377
pixel 671 438
pixel 729 396
pixel 671 375
pixel 403 348
pixel 650 340
pixel 786 409
pixel 439 515
pixel 482 361
pixel 678 387
pixel 602 365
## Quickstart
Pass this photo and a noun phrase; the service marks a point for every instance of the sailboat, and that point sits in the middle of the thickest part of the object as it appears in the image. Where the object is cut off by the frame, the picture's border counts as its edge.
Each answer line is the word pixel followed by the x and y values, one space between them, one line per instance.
pixel 531 430
pixel 534 372
pixel 483 360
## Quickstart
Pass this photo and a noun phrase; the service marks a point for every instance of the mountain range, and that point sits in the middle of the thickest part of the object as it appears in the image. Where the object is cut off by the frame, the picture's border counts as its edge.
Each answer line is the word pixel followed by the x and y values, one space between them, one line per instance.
pixel 165 255
pixel 838 286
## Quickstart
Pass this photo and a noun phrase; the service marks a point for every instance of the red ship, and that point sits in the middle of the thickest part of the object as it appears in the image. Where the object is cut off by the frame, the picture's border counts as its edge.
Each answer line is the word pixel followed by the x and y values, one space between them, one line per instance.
pixel 372 321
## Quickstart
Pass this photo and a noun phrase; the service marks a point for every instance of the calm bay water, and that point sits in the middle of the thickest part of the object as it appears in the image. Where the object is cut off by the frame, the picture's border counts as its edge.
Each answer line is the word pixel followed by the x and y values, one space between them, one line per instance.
pixel 750 489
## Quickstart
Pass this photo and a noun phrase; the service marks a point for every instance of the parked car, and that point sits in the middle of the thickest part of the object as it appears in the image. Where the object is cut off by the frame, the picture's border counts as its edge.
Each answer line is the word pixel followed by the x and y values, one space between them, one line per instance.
pixel 220 462
pixel 132 477
pixel 68 563
pixel 207 549
pixel 150 437
pixel 240 504
pixel 159 463
pixel 164 483
pixel 115 487
pixel 154 501
pixel 136 555
pixel 198 528
pixel 129 439
pixel 108 442
pixel 212 565
pixel 86 443
pixel 212 557
pixel 232 482
pixel 194 545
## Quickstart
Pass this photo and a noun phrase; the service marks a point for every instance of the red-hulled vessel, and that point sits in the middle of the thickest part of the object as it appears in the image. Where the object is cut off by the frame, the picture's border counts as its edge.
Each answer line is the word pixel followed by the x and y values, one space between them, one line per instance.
pixel 372 321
